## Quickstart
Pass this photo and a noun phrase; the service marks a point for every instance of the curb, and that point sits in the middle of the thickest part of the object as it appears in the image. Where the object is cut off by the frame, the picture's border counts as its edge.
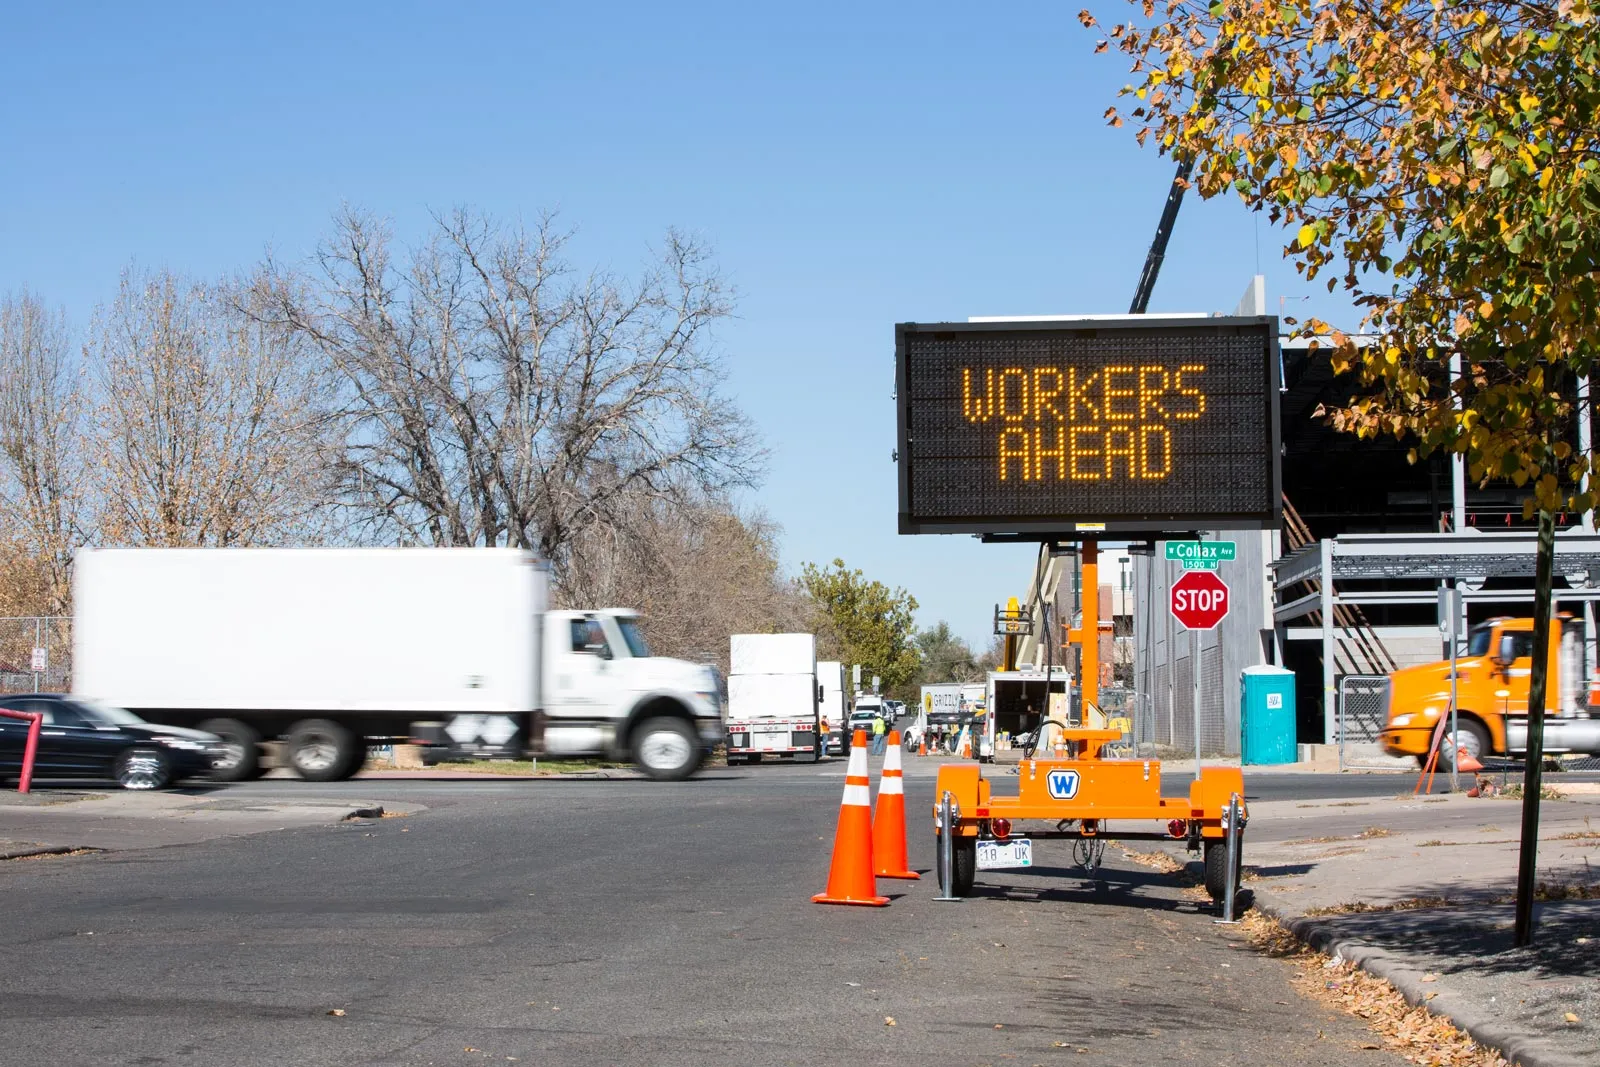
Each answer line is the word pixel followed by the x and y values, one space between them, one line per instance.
pixel 1519 1048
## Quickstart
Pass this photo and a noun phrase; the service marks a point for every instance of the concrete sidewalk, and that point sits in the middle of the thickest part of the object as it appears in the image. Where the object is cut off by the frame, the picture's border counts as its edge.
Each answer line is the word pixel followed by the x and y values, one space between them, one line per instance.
pixel 1416 890
pixel 55 820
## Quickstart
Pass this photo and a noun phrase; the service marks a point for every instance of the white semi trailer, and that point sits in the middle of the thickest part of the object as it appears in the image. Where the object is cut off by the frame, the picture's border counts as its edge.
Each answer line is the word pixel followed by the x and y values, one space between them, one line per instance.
pixel 330 650
pixel 773 697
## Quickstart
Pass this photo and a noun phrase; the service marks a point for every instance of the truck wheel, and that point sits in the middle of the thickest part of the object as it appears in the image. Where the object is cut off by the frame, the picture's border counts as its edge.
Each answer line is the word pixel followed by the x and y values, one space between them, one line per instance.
pixel 666 749
pixel 965 853
pixel 241 757
pixel 143 768
pixel 1216 863
pixel 1470 736
pixel 319 750
pixel 357 760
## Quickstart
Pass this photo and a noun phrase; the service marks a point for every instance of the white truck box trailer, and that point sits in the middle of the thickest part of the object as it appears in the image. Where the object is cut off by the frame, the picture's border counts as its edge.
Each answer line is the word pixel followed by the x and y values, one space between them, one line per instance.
pixel 773 697
pixel 330 650
pixel 834 707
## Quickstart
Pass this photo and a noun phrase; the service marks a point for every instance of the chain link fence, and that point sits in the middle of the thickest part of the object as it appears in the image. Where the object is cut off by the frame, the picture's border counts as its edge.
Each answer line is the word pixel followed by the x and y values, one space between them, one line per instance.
pixel 35 654
pixel 1363 710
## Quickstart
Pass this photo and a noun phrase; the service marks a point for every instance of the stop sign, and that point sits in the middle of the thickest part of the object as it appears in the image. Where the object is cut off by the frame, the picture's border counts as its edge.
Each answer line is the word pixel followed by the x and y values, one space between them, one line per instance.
pixel 1199 600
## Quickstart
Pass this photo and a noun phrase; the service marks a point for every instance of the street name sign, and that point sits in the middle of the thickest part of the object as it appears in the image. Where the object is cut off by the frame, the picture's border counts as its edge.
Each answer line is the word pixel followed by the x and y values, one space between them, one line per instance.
pixel 1202 555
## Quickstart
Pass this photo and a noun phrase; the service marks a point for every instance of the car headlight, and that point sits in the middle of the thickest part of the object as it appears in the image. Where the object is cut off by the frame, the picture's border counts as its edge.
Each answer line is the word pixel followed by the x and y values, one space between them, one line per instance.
pixel 1401 720
pixel 183 743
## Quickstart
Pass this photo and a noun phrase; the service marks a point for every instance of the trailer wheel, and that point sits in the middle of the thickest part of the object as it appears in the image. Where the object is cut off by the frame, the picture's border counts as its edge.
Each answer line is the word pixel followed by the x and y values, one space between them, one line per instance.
pixel 666 749
pixel 1216 862
pixel 965 853
pixel 320 750
pixel 241 757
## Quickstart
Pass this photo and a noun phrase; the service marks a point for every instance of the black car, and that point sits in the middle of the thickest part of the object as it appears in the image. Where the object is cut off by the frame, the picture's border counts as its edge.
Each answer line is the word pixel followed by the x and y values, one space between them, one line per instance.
pixel 81 738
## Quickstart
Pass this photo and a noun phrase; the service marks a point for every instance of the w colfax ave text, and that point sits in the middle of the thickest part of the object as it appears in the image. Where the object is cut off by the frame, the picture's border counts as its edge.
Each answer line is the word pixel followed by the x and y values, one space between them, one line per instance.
pixel 1077 424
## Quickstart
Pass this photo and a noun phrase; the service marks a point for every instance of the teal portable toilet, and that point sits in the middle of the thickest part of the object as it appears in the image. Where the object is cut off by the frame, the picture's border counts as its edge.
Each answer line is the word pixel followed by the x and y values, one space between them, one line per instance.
pixel 1266 715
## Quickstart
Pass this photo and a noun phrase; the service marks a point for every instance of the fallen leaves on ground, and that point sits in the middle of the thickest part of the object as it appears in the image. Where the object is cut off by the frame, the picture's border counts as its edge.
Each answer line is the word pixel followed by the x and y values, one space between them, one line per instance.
pixel 337 1012
pixel 888 1020
pixel 1571 1017
pixel 1414 1033
pixel 1355 907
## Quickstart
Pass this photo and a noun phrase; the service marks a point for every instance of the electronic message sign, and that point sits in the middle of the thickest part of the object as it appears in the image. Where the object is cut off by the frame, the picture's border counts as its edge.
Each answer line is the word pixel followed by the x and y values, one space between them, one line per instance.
pixel 1132 424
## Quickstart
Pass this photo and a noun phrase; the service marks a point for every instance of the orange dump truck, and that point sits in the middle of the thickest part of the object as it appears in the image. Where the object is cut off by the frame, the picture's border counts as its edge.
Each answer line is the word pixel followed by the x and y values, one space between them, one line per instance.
pixel 1492 681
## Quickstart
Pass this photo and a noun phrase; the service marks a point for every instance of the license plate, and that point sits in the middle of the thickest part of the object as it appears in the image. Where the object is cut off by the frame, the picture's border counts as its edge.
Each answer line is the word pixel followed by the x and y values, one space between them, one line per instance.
pixel 1018 852
pixel 771 739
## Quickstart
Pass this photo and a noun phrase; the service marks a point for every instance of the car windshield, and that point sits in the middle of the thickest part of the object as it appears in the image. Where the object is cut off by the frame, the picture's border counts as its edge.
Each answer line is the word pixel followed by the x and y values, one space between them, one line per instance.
pixel 109 713
pixel 1478 640
pixel 632 635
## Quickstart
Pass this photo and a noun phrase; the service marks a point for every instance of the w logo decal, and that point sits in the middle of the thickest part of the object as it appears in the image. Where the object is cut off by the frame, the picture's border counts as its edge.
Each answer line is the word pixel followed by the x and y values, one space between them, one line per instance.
pixel 1063 785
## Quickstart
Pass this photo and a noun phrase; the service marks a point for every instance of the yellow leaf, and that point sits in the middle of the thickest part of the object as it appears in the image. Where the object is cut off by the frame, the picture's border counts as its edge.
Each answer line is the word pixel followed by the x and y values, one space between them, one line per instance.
pixel 1485 309
pixel 1308 236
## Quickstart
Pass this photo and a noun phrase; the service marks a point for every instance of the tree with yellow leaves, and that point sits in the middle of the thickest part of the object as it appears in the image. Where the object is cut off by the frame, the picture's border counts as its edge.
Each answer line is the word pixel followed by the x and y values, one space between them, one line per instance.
pixel 1440 161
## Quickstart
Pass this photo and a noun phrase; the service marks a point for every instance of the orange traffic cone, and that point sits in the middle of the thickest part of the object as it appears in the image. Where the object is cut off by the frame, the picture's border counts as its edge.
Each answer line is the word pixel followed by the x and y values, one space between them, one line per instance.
pixel 922 746
pixel 889 820
pixel 850 879
pixel 966 744
pixel 1465 762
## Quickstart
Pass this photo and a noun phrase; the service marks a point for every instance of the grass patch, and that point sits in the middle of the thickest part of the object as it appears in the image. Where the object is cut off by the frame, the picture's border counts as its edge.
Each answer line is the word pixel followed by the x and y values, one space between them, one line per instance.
pixel 1546 792
pixel 528 768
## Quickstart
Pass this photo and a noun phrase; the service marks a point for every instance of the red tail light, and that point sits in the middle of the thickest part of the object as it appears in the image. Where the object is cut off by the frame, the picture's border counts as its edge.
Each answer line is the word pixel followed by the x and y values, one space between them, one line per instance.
pixel 1178 828
pixel 1001 828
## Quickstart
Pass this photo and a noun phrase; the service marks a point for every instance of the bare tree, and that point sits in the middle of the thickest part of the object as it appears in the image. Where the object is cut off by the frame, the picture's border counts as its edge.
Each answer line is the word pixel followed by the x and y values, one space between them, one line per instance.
pixel 493 398
pixel 42 493
pixel 698 571
pixel 212 423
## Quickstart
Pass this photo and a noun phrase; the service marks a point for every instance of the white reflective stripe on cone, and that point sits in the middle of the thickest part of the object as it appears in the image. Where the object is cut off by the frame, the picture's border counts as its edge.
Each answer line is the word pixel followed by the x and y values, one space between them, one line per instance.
pixel 892 783
pixel 857 796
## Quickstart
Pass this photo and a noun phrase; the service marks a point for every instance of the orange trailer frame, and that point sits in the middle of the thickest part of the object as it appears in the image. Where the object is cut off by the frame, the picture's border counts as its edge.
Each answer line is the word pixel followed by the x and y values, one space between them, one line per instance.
pixel 1089 791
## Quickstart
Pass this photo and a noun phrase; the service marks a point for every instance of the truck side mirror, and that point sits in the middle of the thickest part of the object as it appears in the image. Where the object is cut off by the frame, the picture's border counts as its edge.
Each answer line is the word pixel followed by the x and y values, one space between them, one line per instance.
pixel 1508 649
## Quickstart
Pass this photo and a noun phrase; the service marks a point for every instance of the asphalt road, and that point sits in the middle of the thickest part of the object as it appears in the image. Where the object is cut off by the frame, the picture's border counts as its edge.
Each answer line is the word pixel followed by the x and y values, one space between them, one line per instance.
pixel 622 922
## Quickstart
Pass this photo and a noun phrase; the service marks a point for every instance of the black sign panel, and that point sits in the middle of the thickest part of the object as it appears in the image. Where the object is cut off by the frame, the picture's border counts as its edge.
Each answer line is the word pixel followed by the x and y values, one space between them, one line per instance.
pixel 1133 424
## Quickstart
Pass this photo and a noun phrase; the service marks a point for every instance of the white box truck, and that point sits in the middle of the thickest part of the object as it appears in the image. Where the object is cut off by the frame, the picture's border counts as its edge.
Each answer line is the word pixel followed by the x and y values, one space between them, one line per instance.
pixel 332 649
pixel 773 697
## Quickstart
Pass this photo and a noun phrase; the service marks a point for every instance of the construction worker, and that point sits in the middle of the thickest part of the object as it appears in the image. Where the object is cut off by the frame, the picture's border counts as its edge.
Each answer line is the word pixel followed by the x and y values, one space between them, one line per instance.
pixel 880 733
pixel 822 737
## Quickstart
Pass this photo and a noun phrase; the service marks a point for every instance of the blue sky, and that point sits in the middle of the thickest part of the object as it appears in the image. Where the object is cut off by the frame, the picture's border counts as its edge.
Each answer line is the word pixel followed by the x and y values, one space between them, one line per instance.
pixel 853 166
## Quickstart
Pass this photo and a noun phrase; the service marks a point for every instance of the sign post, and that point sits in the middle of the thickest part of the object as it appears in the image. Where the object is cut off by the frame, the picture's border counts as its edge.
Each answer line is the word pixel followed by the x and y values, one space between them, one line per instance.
pixel 1199 600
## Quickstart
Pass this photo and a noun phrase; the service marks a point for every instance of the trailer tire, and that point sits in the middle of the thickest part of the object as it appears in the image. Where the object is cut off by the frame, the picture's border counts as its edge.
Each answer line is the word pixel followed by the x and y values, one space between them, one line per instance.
pixel 242 760
pixel 964 851
pixel 666 748
pixel 320 750
pixel 1216 865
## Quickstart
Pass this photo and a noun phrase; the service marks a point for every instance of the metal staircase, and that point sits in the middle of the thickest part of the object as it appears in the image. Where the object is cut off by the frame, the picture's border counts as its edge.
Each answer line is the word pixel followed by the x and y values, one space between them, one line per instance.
pixel 1357 647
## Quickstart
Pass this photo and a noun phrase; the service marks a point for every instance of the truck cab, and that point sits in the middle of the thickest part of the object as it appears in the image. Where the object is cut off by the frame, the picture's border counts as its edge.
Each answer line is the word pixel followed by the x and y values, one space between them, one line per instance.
pixel 605 694
pixel 1493 675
